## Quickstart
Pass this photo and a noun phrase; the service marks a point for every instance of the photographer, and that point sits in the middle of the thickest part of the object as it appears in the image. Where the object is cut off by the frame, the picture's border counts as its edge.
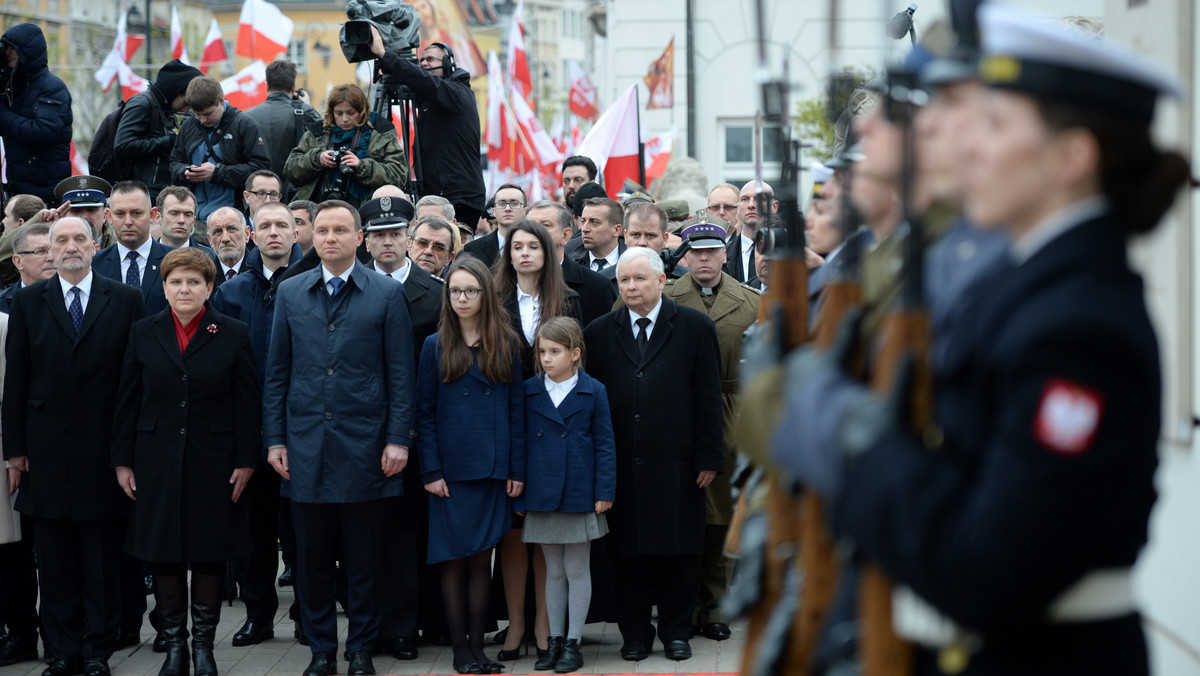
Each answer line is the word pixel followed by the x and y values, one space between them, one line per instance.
pixel 357 152
pixel 447 126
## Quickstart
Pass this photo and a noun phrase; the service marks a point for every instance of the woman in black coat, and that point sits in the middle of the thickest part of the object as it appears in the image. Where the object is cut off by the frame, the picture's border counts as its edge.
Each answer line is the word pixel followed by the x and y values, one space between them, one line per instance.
pixel 184 448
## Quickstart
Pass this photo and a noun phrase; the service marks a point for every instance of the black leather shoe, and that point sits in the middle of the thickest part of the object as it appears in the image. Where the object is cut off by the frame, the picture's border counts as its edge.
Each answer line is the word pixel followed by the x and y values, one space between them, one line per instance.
pixel 635 651
pixel 14 650
pixel 571 660
pixel 717 631
pixel 401 648
pixel 160 642
pixel 500 637
pixel 96 666
pixel 677 650
pixel 360 663
pixel 322 664
pixel 288 577
pixel 63 667
pixel 128 639
pixel 549 657
pixel 253 633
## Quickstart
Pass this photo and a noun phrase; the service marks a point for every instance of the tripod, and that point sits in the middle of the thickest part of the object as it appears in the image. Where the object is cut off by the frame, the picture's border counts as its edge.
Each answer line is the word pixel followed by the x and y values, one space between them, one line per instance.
pixel 387 92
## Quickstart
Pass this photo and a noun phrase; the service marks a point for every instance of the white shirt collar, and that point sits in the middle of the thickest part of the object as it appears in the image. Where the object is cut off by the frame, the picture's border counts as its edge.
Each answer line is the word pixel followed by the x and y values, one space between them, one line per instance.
pixel 85 286
pixel 528 307
pixel 327 275
pixel 400 274
pixel 559 391
pixel 143 250
pixel 747 244
pixel 612 256
pixel 652 316
pixel 1054 225
pixel 226 268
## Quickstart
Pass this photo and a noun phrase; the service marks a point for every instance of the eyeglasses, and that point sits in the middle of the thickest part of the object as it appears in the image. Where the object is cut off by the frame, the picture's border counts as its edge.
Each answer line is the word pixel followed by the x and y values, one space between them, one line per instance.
pixel 514 205
pixel 722 207
pixel 264 195
pixel 44 251
pixel 471 293
pixel 423 243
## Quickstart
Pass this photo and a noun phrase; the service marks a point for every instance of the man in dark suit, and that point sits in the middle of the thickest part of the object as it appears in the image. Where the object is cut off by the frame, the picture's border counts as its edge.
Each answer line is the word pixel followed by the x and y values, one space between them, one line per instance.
pixel 31 256
pixel 670 446
pixel 596 294
pixel 339 434
pixel 227 232
pixel 386 221
pixel 739 253
pixel 602 227
pixel 66 340
pixel 135 258
pixel 510 202
pixel 177 209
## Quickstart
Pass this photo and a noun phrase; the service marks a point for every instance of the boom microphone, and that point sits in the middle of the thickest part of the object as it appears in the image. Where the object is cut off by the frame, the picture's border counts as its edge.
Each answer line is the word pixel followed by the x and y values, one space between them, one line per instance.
pixel 902 24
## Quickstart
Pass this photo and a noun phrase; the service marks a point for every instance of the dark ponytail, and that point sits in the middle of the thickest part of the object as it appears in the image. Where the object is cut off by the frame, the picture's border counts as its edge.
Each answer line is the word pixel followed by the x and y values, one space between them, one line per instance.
pixel 1139 179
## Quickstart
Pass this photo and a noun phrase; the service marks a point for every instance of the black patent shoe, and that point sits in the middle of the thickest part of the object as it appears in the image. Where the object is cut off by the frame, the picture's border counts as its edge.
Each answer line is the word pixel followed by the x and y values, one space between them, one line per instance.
pixel 549 657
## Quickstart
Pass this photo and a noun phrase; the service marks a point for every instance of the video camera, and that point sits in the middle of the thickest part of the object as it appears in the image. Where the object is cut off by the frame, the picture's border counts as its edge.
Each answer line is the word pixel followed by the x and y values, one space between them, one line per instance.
pixel 398 25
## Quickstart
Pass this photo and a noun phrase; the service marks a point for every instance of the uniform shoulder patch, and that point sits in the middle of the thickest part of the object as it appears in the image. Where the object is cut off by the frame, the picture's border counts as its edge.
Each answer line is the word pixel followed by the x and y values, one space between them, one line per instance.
pixel 437 279
pixel 750 288
pixel 1068 417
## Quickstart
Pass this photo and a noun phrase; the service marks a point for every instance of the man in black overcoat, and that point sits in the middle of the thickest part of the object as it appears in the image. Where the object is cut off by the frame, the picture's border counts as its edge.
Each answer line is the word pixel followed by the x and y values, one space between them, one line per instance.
pixel 669 447
pixel 66 339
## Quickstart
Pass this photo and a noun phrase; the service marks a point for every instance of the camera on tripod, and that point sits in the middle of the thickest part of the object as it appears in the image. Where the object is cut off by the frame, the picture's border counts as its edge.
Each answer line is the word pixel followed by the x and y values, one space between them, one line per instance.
pixel 397 22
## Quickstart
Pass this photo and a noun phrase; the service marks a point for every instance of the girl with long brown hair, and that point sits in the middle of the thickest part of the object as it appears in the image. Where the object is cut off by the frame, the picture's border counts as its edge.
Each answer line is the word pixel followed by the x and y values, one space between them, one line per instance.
pixel 471 437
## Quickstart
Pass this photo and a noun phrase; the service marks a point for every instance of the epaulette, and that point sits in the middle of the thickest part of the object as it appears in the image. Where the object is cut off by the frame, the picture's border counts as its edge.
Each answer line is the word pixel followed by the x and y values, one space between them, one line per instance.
pixel 750 288
pixel 437 279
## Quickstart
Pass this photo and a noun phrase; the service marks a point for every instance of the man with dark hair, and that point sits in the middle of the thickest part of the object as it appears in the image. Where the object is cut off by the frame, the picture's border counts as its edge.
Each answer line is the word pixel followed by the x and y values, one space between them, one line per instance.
pixel 146 133
pixel 576 170
pixel 646 225
pixel 262 186
pixel 217 149
pixel 448 135
pixel 304 211
pixel 356 417
pixel 31 256
pixel 284 116
pixel 135 258
pixel 510 208
pixel 35 115
pixel 432 245
pixel 596 294
pixel 602 226
pixel 177 209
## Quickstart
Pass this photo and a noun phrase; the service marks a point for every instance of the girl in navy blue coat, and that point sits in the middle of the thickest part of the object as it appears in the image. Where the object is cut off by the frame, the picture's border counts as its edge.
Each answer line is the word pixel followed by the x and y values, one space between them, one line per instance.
pixel 471 437
pixel 572 479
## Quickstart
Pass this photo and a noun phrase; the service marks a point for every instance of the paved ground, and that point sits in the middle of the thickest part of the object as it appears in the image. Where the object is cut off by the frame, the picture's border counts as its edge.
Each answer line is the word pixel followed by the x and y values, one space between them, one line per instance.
pixel 283 655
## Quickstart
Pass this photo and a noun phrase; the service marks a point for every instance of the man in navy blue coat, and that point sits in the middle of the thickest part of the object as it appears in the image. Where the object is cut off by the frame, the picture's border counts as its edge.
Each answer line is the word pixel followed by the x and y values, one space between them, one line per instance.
pixel 135 258
pixel 35 115
pixel 337 423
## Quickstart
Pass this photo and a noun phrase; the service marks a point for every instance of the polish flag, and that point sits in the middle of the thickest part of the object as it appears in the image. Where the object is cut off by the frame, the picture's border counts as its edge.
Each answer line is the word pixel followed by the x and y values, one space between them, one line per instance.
pixel 545 153
pixel 131 82
pixel 263 31
pixel 248 87
pixel 576 138
pixel 495 106
pixel 583 99
pixel 214 48
pixel 556 132
pixel 178 51
pixel 613 142
pixel 124 47
pixel 518 60
pixel 658 153
pixel 79 165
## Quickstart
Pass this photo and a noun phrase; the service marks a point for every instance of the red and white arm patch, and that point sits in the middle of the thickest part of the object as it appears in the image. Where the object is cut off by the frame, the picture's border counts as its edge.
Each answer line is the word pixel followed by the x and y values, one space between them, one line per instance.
pixel 1068 417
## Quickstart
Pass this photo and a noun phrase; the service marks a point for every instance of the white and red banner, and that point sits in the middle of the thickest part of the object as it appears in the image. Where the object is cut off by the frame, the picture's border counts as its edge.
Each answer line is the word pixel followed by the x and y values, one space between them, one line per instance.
pixel 660 79
pixel 613 142
pixel 178 51
pixel 519 78
pixel 658 153
pixel 583 99
pixel 263 31
pixel 248 87
pixel 214 48
pixel 124 47
pixel 131 83
pixel 79 166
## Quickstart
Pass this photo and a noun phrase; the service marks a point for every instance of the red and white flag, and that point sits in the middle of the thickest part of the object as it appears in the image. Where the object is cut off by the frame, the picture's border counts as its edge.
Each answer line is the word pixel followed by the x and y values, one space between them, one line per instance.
pixel 124 47
pixel 557 128
pixel 263 31
pixel 248 87
pixel 214 48
pixel 79 165
pixel 584 101
pixel 545 153
pixel 576 138
pixel 131 82
pixel 661 79
pixel 518 60
pixel 613 142
pixel 178 51
pixel 495 106
pixel 658 154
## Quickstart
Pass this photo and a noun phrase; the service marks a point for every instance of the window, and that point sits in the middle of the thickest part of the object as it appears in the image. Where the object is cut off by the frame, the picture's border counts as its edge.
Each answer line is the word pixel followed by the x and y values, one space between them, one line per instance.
pixel 737 140
pixel 297 53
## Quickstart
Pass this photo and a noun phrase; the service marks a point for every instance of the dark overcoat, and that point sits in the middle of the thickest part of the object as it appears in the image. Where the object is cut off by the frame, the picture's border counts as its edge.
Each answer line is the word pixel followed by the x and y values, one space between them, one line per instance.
pixel 668 423
pixel 571 453
pixel 187 421
pixel 339 385
pixel 108 264
pixel 60 394
pixel 469 428
pixel 1050 405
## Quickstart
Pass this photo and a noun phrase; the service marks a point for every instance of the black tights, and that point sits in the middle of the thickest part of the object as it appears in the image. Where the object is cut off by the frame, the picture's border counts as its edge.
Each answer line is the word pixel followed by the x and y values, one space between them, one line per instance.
pixel 198 568
pixel 465 584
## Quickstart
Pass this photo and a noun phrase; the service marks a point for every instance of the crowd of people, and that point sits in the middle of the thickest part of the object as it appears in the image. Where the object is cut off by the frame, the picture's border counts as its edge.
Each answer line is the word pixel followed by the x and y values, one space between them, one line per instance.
pixel 256 339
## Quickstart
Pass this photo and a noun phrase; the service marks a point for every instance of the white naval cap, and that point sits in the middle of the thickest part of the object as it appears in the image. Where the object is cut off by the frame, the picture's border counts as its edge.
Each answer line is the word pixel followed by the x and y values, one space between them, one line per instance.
pixel 820 173
pixel 1051 60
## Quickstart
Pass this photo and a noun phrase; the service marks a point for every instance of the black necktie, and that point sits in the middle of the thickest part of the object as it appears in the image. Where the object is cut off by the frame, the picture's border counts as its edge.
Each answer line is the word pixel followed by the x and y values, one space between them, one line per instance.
pixel 601 263
pixel 75 309
pixel 133 276
pixel 229 274
pixel 642 338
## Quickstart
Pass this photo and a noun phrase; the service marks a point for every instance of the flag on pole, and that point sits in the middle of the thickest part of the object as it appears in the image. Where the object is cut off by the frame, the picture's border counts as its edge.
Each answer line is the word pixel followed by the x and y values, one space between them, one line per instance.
pixel 658 153
pixel 661 79
pixel 263 31
pixel 124 47
pixel 214 48
pixel 584 101
pixel 576 138
pixel 131 82
pixel 79 166
pixel 248 87
pixel 613 142
pixel 557 128
pixel 519 77
pixel 545 154
pixel 178 51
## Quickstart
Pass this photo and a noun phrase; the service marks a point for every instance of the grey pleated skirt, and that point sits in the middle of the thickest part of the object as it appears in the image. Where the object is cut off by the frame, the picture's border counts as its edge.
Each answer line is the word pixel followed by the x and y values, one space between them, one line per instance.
pixel 563 528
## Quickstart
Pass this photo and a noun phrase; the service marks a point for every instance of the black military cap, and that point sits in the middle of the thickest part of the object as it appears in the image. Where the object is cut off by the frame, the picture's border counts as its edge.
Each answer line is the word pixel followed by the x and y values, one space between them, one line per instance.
pixel 83 191
pixel 386 213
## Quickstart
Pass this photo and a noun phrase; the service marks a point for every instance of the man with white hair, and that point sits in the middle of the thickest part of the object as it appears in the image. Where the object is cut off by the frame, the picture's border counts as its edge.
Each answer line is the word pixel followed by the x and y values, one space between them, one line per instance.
pixel 669 448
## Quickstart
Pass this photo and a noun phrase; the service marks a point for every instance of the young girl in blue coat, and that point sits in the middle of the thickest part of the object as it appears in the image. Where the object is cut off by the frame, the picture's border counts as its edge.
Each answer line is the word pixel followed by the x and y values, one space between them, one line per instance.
pixel 470 434
pixel 572 480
